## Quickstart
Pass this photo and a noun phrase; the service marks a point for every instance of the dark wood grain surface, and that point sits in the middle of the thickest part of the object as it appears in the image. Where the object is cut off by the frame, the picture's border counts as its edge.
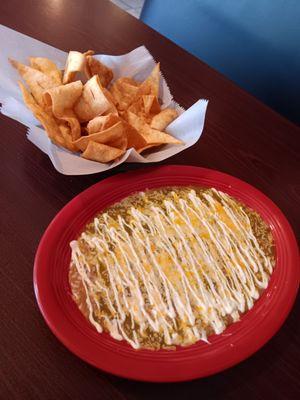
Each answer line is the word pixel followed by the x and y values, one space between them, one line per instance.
pixel 241 137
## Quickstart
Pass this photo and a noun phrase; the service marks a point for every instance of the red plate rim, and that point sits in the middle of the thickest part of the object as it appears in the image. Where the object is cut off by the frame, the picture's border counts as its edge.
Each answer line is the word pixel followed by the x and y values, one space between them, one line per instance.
pixel 237 342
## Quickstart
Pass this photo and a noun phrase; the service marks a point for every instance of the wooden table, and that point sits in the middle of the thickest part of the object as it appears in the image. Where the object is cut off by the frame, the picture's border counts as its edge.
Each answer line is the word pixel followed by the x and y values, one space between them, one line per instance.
pixel 241 137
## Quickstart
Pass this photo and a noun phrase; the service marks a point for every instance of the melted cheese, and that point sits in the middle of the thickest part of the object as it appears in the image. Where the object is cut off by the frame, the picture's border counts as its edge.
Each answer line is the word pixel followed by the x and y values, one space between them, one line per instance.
pixel 173 269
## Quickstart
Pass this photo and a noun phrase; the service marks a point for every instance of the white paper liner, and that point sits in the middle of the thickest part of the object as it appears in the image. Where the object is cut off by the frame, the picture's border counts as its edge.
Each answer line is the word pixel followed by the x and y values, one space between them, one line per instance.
pixel 137 64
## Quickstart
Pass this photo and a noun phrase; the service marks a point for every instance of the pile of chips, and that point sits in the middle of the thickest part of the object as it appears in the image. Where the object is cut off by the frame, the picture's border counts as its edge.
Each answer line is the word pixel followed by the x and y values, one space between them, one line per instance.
pixel 83 110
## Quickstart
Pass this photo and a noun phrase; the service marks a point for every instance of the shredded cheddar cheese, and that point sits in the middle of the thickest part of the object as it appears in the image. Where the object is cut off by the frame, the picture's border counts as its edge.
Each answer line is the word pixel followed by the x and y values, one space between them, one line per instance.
pixel 169 272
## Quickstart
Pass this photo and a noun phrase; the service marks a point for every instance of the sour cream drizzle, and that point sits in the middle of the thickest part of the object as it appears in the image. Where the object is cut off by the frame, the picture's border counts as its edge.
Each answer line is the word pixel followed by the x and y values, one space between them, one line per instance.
pixel 173 270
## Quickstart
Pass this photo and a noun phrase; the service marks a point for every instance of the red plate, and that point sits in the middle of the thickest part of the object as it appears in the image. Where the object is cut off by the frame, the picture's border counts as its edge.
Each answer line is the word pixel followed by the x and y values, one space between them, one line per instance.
pixel 236 343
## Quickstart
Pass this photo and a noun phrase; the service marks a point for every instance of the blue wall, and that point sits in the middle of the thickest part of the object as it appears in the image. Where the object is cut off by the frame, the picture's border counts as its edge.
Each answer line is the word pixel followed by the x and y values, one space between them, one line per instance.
pixel 255 43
